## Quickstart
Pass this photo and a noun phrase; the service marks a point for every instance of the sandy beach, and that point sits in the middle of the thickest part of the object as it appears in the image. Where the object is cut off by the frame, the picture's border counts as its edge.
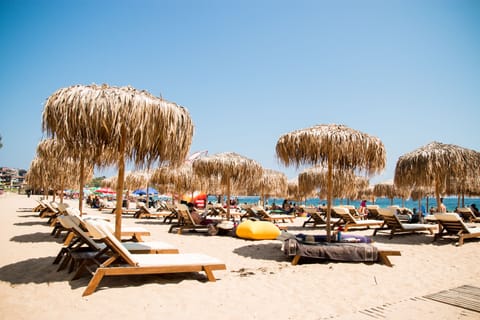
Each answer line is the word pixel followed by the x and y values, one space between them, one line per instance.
pixel 259 283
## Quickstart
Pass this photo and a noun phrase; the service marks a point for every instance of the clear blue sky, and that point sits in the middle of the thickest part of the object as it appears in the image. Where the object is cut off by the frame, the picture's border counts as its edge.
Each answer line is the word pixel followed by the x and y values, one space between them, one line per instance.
pixel 250 71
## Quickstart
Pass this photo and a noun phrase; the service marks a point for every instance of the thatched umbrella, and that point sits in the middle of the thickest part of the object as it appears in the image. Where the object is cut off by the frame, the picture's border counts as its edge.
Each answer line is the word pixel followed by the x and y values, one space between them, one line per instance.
pixel 60 165
pixel 335 146
pixel 180 179
pixel 389 190
pixel 271 183
pixel 133 180
pixel 434 163
pixel 230 168
pixel 315 180
pixel 127 124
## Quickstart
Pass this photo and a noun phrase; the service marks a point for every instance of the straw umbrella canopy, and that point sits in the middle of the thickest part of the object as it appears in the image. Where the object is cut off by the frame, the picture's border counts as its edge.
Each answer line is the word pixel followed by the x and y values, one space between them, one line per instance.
pixel 60 165
pixel 230 168
pixel 315 180
pixel 127 124
pixel 389 190
pixel 431 165
pixel 133 180
pixel 334 146
pixel 177 179
pixel 271 183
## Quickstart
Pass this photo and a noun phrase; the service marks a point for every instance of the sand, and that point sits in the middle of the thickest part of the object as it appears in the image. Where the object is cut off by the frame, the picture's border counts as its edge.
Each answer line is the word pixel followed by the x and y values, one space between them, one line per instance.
pixel 259 283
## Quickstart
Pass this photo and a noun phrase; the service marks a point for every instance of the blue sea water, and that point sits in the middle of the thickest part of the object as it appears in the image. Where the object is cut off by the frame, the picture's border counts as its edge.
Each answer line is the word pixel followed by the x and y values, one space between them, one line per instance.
pixel 450 202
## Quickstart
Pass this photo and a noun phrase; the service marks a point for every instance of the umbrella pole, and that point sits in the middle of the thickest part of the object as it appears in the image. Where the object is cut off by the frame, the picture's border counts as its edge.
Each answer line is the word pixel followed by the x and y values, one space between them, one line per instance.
pixel 228 198
pixel 82 182
pixel 329 193
pixel 120 178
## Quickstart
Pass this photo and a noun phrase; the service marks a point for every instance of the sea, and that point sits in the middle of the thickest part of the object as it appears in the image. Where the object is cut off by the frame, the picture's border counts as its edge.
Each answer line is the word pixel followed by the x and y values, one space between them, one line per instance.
pixel 450 202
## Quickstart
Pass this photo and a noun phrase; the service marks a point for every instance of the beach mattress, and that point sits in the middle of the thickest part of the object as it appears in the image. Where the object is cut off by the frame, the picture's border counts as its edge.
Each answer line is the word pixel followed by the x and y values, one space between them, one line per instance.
pixel 257 230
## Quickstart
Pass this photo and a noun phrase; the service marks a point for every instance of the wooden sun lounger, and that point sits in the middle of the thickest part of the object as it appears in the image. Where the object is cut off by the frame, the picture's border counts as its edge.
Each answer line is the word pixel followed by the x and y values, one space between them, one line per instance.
pixel 123 263
pixel 185 221
pixel 316 219
pixel 395 226
pixel 83 251
pixel 144 212
pixel 134 233
pixel 348 221
pixel 452 224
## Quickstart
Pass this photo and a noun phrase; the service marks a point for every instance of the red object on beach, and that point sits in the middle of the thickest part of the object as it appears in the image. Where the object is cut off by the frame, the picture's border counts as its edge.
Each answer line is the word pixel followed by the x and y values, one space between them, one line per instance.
pixel 105 190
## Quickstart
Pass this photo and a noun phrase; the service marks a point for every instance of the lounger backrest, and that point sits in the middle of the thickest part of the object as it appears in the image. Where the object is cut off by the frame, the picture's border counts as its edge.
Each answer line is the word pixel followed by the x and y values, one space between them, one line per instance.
pixel 344 213
pixel 69 223
pixel 62 207
pixel 451 221
pixel 113 243
pixel 390 217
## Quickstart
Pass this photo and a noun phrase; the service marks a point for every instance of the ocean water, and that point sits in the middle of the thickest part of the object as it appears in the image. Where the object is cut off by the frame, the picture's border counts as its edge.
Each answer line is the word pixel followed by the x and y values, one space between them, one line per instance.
pixel 450 202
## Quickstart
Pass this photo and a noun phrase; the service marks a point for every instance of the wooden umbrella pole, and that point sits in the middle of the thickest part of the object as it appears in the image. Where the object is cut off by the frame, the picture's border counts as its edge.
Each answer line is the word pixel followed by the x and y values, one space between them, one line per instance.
pixel 120 182
pixel 82 183
pixel 228 198
pixel 329 192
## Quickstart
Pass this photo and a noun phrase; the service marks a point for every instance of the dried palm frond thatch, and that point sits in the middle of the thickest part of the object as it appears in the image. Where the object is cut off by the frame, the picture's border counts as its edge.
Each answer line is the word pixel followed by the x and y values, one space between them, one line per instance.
pixel 180 179
pixel 230 168
pixel 335 147
pixel 271 183
pixel 433 164
pixel 123 122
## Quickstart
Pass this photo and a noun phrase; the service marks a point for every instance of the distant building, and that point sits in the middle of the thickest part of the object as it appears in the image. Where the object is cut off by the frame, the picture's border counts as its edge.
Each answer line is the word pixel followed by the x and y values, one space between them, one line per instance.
pixel 12 177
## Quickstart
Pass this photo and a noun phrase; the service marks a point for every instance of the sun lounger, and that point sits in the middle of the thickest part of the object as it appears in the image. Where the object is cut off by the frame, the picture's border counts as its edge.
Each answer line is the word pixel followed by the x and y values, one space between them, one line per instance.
pixel 452 224
pixel 123 263
pixel 144 212
pixel 467 215
pixel 348 221
pixel 316 218
pixel 186 222
pixel 134 233
pixel 259 213
pixel 347 252
pixel 395 226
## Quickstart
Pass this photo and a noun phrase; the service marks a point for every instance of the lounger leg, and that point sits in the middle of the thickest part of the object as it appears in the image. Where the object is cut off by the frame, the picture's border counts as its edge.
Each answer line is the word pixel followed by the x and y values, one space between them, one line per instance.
pixel 209 273
pixel 94 282
pixel 295 260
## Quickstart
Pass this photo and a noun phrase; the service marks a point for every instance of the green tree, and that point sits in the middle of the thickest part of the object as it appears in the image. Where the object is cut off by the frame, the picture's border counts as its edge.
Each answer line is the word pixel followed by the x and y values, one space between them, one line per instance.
pixel 95 182
pixel 1 144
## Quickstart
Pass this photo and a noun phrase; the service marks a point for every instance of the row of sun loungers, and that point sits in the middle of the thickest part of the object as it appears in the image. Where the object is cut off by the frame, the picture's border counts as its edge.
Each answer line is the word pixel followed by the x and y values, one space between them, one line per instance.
pixel 90 247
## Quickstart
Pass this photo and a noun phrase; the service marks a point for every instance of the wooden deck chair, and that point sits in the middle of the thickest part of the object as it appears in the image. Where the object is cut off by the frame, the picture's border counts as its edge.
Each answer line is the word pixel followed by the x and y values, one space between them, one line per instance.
pixel 134 233
pixel 49 210
pixel 392 223
pixel 144 212
pixel 354 212
pixel 316 218
pixel 124 263
pixel 348 221
pixel 85 249
pixel 185 221
pixel 373 213
pixel 467 215
pixel 272 217
pixel 452 224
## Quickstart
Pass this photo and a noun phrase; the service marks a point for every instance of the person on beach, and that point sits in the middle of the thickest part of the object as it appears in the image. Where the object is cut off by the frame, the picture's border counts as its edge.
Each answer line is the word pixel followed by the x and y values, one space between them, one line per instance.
pixel 443 208
pixel 363 208
pixel 475 211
